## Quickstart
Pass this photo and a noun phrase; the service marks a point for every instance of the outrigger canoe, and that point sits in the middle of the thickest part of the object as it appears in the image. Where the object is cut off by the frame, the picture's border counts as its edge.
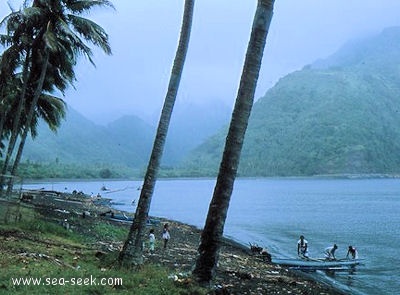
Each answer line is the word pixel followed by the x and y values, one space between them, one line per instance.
pixel 316 263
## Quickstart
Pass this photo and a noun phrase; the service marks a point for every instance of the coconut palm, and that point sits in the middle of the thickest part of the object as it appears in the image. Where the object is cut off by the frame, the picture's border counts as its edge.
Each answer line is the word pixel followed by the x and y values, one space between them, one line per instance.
pixel 58 36
pixel 7 93
pixel 131 253
pixel 211 236
pixel 49 108
pixel 8 105
pixel 18 54
pixel 15 128
pixel 20 37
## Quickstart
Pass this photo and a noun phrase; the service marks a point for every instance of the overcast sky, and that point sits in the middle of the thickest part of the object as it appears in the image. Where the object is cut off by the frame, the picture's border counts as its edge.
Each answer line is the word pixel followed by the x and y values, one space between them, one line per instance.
pixel 144 36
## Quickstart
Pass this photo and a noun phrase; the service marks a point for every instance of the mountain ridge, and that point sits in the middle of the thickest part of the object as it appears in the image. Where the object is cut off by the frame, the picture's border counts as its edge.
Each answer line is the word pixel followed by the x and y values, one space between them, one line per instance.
pixel 337 116
pixel 126 141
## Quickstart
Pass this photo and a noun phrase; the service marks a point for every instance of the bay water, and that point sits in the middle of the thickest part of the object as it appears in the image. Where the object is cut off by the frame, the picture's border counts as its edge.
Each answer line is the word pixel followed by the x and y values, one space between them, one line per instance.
pixel 274 212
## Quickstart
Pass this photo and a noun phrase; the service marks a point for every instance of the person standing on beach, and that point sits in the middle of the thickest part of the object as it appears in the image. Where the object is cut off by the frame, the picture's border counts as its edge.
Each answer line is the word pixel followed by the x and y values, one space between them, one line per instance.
pixel 152 241
pixel 165 235
pixel 302 247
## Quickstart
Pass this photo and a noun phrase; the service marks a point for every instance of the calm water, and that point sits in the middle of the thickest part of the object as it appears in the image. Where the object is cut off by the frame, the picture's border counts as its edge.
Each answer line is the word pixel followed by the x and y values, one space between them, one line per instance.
pixel 274 212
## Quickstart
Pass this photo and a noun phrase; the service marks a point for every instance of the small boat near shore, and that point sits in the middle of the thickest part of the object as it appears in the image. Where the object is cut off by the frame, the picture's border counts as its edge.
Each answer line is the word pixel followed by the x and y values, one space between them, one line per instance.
pixel 122 217
pixel 316 263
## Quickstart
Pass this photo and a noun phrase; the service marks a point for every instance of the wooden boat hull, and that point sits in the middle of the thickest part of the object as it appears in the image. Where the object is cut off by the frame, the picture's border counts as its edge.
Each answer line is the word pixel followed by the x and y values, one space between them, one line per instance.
pixel 316 263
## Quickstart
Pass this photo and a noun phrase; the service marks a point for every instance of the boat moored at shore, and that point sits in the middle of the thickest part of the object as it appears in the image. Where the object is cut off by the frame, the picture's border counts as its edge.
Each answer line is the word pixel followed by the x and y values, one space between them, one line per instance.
pixel 316 263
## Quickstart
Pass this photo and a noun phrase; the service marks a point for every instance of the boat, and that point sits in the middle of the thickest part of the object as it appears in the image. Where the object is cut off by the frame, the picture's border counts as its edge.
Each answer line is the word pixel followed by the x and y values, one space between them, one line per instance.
pixel 122 217
pixel 316 263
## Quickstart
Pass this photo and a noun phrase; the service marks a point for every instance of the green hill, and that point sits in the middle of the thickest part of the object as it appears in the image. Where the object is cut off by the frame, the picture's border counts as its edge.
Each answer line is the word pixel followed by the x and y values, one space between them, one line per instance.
pixel 123 146
pixel 125 143
pixel 337 116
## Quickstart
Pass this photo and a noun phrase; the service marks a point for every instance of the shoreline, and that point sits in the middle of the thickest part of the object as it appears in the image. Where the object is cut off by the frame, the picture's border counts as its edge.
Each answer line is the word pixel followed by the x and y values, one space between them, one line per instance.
pixel 241 271
pixel 236 261
pixel 296 274
pixel 355 176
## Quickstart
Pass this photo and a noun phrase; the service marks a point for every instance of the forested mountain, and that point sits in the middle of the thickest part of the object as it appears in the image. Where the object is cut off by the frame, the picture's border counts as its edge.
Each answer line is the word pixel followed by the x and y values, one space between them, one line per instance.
pixel 339 115
pixel 336 116
pixel 126 141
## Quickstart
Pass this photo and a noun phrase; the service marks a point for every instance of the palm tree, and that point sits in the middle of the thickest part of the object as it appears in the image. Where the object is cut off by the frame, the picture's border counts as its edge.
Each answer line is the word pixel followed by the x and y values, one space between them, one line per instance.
pixel 15 121
pixel 131 253
pixel 52 110
pixel 30 117
pixel 8 105
pixel 56 31
pixel 8 81
pixel 20 36
pixel 211 236
pixel 8 89
pixel 18 54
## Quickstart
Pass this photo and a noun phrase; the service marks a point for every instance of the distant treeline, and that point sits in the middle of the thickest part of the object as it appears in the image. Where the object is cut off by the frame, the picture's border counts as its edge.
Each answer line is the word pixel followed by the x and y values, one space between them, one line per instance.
pixel 29 170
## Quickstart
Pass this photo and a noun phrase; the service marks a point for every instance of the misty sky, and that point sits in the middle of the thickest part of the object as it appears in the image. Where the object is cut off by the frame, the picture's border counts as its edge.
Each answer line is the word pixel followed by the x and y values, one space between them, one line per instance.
pixel 144 36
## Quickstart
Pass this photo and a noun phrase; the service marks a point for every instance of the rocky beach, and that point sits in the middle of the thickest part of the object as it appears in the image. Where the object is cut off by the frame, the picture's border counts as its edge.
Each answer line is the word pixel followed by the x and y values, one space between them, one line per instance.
pixel 240 270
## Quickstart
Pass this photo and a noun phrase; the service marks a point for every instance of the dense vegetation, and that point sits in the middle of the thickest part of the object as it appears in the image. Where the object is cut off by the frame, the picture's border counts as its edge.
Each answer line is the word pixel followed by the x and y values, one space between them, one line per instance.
pixel 78 141
pixel 46 170
pixel 42 42
pixel 123 146
pixel 336 116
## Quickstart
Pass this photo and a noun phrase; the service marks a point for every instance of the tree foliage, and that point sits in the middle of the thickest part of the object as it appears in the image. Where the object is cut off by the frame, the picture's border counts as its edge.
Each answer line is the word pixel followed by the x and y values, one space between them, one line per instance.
pixel 44 40
pixel 337 116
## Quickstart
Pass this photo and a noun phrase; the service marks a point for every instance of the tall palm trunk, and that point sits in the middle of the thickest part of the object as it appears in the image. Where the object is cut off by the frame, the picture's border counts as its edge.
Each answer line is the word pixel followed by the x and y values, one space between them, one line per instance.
pixel 16 122
pixel 209 247
pixel 2 122
pixel 29 118
pixel 2 112
pixel 131 253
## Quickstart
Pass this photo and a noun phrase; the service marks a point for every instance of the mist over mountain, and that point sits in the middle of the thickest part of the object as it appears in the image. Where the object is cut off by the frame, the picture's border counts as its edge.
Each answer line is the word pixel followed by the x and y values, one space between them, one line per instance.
pixel 124 142
pixel 365 52
pixel 337 116
pixel 79 140
pixel 190 126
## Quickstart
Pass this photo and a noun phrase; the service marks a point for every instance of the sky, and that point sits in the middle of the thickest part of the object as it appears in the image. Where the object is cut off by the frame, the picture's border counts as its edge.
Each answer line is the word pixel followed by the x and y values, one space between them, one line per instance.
pixel 144 36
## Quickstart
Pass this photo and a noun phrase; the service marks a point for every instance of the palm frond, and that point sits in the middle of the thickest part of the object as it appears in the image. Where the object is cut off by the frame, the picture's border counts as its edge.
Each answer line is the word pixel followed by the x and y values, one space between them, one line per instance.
pixel 52 110
pixel 85 5
pixel 91 31
pixel 54 28
pixel 9 62
pixel 5 40
pixel 76 43
pixel 32 13
pixel 51 41
pixel 33 127
pixel 11 20
pixel 5 19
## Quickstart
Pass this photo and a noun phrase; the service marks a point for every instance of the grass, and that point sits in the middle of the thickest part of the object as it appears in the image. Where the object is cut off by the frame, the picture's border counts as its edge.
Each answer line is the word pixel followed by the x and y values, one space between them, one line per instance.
pixel 35 246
